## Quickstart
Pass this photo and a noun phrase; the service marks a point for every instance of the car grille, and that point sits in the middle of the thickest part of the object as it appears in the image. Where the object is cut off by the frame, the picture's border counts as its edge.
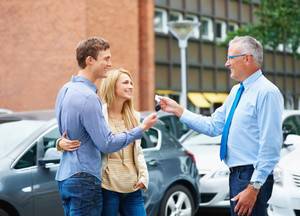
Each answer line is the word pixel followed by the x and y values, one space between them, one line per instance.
pixel 296 179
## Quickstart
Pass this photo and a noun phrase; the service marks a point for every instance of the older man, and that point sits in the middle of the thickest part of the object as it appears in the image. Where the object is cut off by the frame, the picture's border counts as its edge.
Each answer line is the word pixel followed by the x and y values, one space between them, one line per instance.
pixel 250 124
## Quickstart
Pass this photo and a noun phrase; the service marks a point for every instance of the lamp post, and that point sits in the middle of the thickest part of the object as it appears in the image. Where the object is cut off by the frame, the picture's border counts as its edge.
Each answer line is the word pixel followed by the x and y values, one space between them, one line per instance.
pixel 183 30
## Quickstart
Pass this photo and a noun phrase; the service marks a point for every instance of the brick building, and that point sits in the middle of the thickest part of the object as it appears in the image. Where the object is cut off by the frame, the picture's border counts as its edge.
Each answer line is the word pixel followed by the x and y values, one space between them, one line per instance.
pixel 38 40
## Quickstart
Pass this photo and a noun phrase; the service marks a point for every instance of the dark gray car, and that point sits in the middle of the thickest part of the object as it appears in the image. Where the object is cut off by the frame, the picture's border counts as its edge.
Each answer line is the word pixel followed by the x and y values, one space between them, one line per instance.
pixel 29 162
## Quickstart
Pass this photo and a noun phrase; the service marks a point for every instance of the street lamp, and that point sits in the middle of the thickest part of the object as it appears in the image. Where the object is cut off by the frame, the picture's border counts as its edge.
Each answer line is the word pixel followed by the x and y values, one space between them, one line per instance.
pixel 183 30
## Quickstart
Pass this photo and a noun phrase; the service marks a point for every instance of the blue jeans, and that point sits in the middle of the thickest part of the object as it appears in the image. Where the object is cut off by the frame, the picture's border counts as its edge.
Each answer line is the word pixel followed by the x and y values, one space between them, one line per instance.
pixel 127 204
pixel 81 195
pixel 239 179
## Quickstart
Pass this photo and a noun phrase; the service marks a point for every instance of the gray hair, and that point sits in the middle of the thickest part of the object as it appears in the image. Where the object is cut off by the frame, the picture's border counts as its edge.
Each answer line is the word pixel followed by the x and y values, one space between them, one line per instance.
pixel 249 45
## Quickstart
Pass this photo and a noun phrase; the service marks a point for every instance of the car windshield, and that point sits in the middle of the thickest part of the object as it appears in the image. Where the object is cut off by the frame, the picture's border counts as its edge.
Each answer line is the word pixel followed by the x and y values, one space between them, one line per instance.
pixel 13 133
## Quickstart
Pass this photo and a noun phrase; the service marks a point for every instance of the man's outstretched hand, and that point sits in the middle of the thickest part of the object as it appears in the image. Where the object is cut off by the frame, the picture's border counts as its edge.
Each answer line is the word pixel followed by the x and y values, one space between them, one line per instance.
pixel 171 106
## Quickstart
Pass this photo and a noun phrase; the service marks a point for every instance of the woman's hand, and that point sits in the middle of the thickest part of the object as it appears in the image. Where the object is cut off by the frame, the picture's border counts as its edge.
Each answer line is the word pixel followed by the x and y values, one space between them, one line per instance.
pixel 68 145
pixel 139 185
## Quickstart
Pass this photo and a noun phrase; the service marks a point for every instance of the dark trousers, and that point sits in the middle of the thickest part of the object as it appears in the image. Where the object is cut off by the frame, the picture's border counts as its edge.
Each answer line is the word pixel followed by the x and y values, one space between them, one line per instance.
pixel 81 195
pixel 239 179
pixel 127 204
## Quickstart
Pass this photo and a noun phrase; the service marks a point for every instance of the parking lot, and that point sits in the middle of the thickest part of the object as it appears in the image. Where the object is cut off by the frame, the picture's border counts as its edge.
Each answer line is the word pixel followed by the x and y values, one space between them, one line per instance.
pixel 27 162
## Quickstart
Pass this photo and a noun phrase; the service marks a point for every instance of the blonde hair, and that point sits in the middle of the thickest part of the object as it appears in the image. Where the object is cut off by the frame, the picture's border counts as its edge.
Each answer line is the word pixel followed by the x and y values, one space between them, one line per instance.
pixel 108 94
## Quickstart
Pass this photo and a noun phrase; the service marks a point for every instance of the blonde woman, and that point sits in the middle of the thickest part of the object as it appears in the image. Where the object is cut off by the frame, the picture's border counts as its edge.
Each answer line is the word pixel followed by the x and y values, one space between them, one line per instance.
pixel 124 173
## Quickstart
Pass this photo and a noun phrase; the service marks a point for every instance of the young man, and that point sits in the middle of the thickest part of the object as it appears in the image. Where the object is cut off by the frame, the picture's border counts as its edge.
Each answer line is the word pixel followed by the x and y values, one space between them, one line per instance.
pixel 79 115
pixel 250 124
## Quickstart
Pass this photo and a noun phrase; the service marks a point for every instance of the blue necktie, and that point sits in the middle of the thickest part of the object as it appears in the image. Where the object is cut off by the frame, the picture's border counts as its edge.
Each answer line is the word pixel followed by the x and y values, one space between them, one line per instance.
pixel 225 133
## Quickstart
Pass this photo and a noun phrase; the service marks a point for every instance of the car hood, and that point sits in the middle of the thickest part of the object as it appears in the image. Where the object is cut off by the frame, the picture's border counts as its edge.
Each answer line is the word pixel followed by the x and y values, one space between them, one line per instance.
pixel 207 157
pixel 291 161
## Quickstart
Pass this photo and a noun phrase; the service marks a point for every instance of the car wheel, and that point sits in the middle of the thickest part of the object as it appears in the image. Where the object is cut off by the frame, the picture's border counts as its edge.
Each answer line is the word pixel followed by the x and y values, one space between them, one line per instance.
pixel 3 212
pixel 177 201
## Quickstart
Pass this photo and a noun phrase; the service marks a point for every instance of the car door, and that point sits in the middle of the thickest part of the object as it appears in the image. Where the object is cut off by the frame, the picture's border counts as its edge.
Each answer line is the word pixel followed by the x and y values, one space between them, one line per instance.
pixel 19 182
pixel 151 144
pixel 47 201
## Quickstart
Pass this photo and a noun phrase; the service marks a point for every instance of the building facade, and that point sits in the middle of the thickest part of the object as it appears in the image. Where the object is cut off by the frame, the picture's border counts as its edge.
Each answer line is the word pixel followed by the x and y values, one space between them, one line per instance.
pixel 38 41
pixel 208 79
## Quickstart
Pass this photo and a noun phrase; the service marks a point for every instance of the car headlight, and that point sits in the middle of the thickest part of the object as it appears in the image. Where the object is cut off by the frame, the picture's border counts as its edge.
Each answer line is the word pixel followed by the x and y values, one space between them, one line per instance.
pixel 278 176
pixel 220 174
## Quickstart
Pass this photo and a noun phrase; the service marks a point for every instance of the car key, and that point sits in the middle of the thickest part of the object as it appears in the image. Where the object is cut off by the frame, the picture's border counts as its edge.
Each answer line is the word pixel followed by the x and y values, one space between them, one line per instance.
pixel 157 105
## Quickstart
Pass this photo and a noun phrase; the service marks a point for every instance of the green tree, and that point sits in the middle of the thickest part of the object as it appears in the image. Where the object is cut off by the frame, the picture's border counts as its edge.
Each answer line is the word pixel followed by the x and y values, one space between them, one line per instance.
pixel 279 23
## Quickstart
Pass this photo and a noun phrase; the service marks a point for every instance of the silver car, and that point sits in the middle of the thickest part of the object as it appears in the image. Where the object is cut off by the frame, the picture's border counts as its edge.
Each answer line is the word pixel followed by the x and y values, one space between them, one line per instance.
pixel 29 160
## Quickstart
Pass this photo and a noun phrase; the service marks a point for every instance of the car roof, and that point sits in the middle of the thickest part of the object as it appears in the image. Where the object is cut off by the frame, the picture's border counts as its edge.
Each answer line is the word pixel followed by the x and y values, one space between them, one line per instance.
pixel 287 113
pixel 5 111
pixel 28 115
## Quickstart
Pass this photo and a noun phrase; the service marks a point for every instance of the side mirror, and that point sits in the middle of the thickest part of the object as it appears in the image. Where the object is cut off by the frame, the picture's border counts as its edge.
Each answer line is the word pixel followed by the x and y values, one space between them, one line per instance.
pixel 51 157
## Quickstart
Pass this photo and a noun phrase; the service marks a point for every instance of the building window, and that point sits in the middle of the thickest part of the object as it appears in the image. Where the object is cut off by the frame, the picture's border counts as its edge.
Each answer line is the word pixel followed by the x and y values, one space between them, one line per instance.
pixel 206 29
pixel 193 18
pixel 232 27
pixel 220 30
pixel 160 21
pixel 175 16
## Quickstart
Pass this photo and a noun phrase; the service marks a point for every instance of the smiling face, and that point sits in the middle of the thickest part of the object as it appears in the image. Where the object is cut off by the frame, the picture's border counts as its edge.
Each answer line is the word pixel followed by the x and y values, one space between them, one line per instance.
pixel 102 64
pixel 124 87
pixel 236 63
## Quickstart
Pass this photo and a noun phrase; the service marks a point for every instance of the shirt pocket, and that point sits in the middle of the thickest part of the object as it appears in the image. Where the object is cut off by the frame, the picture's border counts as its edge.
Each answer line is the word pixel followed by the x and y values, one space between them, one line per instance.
pixel 246 113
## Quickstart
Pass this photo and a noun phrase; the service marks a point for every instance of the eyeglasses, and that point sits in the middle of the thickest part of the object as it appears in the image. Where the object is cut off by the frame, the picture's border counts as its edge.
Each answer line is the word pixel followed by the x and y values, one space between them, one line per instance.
pixel 235 56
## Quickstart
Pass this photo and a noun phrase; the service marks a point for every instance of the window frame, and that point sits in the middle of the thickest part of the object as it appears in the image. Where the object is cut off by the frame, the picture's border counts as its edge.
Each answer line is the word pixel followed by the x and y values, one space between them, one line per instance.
pixel 210 32
pixel 235 26
pixel 36 141
pixel 176 13
pixel 223 30
pixel 194 18
pixel 159 142
pixel 164 27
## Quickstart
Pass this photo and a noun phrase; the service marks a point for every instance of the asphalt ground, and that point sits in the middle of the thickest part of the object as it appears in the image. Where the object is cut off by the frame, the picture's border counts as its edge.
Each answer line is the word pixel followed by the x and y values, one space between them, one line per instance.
pixel 213 212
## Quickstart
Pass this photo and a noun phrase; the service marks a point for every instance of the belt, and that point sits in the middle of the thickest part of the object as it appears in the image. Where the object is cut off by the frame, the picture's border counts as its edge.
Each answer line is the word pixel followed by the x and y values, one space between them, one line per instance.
pixel 237 168
pixel 82 174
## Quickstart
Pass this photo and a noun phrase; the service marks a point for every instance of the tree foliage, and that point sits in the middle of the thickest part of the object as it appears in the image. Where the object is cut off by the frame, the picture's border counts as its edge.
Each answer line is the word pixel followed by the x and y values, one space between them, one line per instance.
pixel 278 23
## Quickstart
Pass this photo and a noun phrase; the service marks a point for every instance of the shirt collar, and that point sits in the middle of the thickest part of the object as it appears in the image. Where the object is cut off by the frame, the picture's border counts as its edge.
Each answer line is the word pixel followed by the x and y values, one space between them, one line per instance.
pixel 87 82
pixel 251 79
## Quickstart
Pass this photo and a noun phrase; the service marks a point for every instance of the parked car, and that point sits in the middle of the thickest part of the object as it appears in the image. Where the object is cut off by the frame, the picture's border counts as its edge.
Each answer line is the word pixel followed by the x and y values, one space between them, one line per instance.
pixel 285 198
pixel 5 111
pixel 175 127
pixel 214 173
pixel 29 161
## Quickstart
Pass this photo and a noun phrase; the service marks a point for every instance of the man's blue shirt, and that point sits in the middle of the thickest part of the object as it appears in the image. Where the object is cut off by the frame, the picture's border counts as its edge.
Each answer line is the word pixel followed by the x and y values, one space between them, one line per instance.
pixel 79 114
pixel 255 135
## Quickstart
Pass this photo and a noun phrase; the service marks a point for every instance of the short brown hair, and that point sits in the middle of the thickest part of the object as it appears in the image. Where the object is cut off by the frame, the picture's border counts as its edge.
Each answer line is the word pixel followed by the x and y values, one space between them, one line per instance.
pixel 90 47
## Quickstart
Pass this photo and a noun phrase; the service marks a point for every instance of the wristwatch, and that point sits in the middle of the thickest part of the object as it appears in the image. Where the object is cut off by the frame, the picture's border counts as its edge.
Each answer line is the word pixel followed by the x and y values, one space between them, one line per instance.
pixel 256 185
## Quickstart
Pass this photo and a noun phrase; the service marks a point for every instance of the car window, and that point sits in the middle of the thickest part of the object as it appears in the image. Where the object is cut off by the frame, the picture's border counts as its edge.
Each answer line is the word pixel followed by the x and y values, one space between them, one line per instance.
pixel 181 127
pixel 28 159
pixel 50 138
pixel 21 131
pixel 168 123
pixel 291 125
pixel 150 139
